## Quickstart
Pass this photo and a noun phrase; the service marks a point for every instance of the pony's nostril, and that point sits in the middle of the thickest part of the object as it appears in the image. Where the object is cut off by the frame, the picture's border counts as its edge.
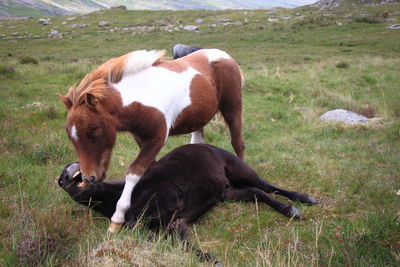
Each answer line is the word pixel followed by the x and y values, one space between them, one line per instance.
pixel 92 178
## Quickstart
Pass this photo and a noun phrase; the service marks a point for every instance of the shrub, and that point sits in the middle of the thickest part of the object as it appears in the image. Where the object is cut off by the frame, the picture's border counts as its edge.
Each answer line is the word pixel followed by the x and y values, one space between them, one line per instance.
pixel 369 20
pixel 28 60
pixel 6 69
pixel 342 65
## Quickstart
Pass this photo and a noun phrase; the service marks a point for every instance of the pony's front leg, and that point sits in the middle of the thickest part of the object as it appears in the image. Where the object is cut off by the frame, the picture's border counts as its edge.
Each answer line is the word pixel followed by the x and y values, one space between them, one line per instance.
pixel 147 155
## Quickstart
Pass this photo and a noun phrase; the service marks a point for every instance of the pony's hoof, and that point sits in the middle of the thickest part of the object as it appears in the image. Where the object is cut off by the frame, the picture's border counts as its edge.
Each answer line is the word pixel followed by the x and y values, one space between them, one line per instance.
pixel 114 228
pixel 294 213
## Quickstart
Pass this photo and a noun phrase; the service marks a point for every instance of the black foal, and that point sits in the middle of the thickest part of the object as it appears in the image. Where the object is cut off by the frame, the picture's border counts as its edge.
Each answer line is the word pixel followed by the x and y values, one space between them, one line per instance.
pixel 183 185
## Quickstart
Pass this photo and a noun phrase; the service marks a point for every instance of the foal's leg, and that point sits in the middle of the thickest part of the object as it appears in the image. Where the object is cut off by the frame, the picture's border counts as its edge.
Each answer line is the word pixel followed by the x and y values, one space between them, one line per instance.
pixel 147 155
pixel 241 174
pixel 252 194
pixel 180 227
pixel 197 137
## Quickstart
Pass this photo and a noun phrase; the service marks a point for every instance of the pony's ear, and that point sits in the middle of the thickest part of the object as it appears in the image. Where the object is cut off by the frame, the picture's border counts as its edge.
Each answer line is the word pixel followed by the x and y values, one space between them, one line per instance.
pixel 91 100
pixel 66 100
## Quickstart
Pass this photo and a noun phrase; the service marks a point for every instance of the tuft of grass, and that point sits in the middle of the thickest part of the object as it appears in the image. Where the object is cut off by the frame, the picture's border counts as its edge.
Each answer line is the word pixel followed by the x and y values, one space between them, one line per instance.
pixel 369 19
pixel 342 65
pixel 6 69
pixel 28 60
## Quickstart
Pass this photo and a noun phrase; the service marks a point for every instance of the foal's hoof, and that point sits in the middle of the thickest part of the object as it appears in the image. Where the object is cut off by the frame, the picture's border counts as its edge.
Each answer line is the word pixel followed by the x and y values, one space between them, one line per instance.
pixel 294 213
pixel 303 198
pixel 114 228
pixel 311 200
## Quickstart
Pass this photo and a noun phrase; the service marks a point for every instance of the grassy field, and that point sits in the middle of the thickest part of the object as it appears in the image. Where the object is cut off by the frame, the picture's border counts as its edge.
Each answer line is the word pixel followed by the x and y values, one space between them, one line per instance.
pixel 295 68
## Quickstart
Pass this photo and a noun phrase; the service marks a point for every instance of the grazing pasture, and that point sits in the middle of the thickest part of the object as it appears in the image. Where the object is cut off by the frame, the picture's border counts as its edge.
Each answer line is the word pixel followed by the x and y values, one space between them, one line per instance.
pixel 297 63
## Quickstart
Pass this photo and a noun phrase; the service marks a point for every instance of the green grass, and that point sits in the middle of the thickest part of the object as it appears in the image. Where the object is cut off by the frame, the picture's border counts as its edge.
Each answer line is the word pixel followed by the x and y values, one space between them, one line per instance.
pixel 292 77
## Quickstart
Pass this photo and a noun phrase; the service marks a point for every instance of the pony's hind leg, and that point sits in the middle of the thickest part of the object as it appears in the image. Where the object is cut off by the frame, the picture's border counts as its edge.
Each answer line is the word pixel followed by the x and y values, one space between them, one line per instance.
pixel 252 194
pixel 232 113
pixel 197 137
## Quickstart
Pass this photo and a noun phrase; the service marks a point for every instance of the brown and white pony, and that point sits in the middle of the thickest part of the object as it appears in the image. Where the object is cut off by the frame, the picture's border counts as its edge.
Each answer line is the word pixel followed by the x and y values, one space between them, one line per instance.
pixel 152 98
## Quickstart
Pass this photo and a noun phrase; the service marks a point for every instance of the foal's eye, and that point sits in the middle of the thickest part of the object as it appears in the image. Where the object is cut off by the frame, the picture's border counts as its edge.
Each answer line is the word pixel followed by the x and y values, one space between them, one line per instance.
pixel 95 134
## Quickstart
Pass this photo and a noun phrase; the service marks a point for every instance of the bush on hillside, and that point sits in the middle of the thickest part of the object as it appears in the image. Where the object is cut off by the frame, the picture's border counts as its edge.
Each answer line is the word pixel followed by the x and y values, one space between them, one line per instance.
pixel 28 60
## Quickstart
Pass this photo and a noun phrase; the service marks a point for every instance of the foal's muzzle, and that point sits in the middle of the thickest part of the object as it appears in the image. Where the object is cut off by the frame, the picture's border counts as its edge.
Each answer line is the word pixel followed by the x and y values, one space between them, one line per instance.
pixel 70 174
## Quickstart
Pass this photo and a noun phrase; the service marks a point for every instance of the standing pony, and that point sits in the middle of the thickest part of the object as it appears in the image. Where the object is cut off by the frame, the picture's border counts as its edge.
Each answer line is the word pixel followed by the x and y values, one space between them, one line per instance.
pixel 152 98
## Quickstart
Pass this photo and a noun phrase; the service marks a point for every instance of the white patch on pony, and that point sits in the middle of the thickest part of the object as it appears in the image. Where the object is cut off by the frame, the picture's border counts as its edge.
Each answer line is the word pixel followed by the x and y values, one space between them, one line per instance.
pixel 140 60
pixel 215 54
pixel 197 138
pixel 124 201
pixel 74 133
pixel 160 88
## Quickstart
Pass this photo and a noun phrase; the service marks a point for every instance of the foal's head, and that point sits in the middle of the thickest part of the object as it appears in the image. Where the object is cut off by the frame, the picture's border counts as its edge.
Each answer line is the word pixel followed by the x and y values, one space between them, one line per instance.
pixel 91 128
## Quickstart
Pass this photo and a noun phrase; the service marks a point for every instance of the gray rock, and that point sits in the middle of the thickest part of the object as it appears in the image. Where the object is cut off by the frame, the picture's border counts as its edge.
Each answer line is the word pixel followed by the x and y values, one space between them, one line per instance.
pixel 222 20
pixel 191 28
pixel 44 21
pixel 198 20
pixel 120 7
pixel 55 34
pixel 341 115
pixel 394 27
pixel 103 23
pixel 78 25
pixel 71 18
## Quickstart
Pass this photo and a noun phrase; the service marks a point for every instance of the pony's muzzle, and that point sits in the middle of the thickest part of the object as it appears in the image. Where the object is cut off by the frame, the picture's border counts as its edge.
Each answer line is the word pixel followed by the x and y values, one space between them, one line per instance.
pixel 89 179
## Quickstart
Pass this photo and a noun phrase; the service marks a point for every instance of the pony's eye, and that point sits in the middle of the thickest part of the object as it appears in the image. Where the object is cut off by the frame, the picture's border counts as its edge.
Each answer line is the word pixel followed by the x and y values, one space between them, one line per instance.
pixel 92 137
pixel 95 134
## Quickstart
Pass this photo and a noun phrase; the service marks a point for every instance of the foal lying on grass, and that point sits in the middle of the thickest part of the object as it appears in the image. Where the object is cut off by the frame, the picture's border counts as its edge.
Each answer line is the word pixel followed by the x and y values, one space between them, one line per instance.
pixel 179 188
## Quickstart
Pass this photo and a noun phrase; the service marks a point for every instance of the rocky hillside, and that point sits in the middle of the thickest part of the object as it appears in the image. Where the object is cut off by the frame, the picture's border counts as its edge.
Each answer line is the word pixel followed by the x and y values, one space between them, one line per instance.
pixel 30 8
pixel 329 4
pixel 35 8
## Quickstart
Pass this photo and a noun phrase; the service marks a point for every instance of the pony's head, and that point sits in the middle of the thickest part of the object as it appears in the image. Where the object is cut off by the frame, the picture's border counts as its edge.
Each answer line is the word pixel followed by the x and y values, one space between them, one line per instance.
pixel 92 107
pixel 91 127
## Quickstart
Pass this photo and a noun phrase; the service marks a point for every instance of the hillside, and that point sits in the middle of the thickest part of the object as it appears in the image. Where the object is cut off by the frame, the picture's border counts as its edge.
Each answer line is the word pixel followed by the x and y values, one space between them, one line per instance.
pixel 298 64
pixel 35 8
pixel 331 4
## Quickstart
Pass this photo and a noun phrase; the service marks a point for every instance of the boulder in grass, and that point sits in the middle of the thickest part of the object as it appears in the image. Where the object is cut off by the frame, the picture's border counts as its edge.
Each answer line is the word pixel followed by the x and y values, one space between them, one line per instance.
pixel 345 116
pixel 191 28
pixel 103 24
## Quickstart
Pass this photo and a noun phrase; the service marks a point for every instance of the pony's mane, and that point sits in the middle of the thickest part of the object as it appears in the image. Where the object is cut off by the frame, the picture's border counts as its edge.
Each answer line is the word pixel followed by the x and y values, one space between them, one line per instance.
pixel 97 82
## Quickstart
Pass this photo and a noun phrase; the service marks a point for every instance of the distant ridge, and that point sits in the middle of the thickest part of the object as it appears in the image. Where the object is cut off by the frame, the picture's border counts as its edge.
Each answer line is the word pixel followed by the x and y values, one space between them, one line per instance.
pixel 37 8
pixel 329 4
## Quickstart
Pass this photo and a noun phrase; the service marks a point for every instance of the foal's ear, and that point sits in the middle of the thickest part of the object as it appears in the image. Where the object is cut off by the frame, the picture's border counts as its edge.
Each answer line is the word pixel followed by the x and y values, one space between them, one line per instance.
pixel 91 100
pixel 66 100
